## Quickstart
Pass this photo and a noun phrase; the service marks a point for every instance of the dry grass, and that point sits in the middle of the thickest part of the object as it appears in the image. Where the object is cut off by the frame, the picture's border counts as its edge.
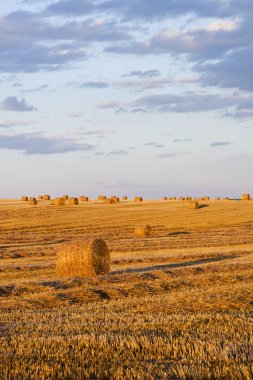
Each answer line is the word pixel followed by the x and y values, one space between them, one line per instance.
pixel 83 258
pixel 178 305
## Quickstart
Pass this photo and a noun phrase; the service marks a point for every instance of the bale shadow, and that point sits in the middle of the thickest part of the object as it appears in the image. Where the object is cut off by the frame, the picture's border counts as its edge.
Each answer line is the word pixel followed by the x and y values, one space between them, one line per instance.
pixel 203 205
pixel 174 265
pixel 178 233
pixel 103 295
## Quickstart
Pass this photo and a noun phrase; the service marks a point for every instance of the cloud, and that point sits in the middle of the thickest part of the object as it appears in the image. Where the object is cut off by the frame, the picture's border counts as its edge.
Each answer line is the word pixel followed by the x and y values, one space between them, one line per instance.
pixel 220 143
pixel 143 74
pixel 118 152
pixel 94 84
pixel 11 103
pixel 154 145
pixel 14 123
pixel 182 140
pixel 75 114
pixel 171 154
pixel 36 143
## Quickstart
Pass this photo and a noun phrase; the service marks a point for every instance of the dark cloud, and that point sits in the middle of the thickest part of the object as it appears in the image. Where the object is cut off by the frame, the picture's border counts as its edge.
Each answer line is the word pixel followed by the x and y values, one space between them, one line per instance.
pixel 11 103
pixel 220 143
pixel 35 143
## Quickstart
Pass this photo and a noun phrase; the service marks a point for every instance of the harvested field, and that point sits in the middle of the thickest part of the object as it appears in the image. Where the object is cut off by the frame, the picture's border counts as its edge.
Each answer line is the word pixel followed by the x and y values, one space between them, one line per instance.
pixel 176 305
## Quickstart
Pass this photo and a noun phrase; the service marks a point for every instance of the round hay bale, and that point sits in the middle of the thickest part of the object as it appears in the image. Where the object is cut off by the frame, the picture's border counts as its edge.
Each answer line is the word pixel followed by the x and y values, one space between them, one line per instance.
pixel 82 198
pixel 40 197
pixel 73 201
pixel 101 197
pixel 24 198
pixel 32 202
pixel 206 199
pixel 165 198
pixel 46 197
pixel 124 198
pixel 65 196
pixel 115 198
pixel 193 205
pixel 83 258
pixel 217 198
pixel 143 231
pixel 59 201
pixel 138 199
pixel 109 201
pixel 246 197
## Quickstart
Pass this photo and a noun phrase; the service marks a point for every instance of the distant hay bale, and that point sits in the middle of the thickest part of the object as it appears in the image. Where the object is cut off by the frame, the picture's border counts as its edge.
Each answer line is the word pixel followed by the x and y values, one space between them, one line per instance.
pixel 189 198
pixel 65 196
pixel 246 197
pixel 73 201
pixel 124 198
pixel 40 197
pixel 206 198
pixel 82 198
pixel 143 231
pixel 165 198
pixel 115 198
pixel 24 198
pixel 217 198
pixel 193 205
pixel 32 202
pixel 109 201
pixel 138 199
pixel 83 258
pixel 59 201
pixel 101 197
pixel 32 199
pixel 46 197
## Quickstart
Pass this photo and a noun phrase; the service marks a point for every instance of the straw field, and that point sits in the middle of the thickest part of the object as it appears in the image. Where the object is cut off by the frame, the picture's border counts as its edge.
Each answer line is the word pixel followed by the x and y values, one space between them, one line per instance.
pixel 176 305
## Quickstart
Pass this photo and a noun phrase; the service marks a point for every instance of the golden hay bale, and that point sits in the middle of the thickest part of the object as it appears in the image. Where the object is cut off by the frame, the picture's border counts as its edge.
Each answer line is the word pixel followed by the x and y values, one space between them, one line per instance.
pixel 46 197
pixel 65 196
pixel 189 198
pixel 115 198
pixel 101 197
pixel 245 197
pixel 138 199
pixel 32 202
pixel 193 205
pixel 217 198
pixel 82 198
pixel 83 258
pixel 206 198
pixel 24 198
pixel 165 198
pixel 143 231
pixel 32 199
pixel 109 201
pixel 59 201
pixel 40 197
pixel 73 201
pixel 124 198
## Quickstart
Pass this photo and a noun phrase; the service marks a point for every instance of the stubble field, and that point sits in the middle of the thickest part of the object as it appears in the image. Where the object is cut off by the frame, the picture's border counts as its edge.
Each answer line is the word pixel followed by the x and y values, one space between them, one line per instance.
pixel 176 305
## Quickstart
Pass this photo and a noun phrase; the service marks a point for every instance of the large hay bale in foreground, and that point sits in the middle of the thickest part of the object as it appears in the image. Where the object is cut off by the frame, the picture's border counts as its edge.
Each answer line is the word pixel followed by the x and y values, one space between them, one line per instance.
pixel 46 197
pixel 32 202
pixel 83 258
pixel 73 201
pixel 246 197
pixel 24 198
pixel 193 205
pixel 101 197
pixel 138 199
pixel 143 231
pixel 83 198
pixel 59 201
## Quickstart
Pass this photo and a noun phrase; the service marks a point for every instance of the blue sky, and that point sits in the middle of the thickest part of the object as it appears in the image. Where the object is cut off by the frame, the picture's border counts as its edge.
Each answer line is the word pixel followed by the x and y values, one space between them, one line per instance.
pixel 137 97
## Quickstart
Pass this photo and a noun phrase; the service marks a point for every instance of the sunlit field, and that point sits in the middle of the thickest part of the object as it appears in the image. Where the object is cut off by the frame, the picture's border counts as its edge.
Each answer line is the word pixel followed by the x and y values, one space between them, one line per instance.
pixel 176 305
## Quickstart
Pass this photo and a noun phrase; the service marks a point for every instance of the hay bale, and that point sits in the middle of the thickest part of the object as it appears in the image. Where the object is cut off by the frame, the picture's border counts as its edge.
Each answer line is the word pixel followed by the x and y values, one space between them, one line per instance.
pixel 124 198
pixel 32 202
pixel 143 231
pixel 193 205
pixel 101 197
pixel 24 198
pixel 246 197
pixel 40 197
pixel 32 199
pixel 109 201
pixel 165 198
pixel 65 197
pixel 83 258
pixel 206 198
pixel 138 199
pixel 217 198
pixel 189 198
pixel 73 201
pixel 46 197
pixel 115 198
pixel 82 198
pixel 59 201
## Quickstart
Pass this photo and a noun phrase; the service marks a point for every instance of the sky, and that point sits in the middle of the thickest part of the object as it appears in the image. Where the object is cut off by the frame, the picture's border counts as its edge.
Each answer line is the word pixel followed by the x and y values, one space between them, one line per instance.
pixel 140 97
